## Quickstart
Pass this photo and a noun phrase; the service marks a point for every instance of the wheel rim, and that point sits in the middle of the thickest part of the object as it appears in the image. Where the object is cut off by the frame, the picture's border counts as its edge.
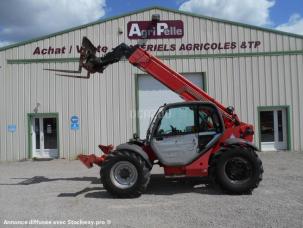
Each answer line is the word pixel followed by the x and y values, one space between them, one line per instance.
pixel 238 170
pixel 123 174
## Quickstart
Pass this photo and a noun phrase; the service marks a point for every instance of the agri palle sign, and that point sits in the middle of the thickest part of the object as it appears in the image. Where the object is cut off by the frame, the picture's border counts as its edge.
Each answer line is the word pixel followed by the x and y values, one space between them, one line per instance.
pixel 155 29
pixel 165 29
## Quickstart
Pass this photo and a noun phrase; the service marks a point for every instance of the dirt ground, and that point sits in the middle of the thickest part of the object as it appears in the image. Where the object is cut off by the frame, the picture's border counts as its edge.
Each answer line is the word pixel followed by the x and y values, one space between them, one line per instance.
pixel 66 193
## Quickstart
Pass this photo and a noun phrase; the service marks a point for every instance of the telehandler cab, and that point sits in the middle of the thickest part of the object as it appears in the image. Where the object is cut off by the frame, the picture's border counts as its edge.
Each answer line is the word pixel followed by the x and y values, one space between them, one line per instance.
pixel 196 138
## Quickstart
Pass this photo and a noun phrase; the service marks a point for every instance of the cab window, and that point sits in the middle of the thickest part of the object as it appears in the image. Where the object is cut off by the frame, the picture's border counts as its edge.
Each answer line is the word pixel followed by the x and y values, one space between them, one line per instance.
pixel 208 119
pixel 177 120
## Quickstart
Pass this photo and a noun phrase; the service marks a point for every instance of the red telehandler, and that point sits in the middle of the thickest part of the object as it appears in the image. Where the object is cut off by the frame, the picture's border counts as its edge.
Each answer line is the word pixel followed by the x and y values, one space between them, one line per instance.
pixel 196 138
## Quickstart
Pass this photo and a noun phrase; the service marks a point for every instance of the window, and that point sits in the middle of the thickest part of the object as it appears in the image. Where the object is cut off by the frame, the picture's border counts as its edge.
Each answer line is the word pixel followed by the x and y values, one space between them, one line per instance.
pixel 273 128
pixel 208 119
pixel 177 120
pixel 267 126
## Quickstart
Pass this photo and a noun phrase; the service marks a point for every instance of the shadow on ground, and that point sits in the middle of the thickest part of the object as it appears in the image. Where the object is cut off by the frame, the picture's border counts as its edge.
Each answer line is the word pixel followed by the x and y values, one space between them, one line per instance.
pixel 42 179
pixel 159 185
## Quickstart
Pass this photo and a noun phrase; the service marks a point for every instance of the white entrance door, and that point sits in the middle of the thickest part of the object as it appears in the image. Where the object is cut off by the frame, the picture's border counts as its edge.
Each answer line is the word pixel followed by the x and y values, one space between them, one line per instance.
pixel 152 94
pixel 273 130
pixel 44 137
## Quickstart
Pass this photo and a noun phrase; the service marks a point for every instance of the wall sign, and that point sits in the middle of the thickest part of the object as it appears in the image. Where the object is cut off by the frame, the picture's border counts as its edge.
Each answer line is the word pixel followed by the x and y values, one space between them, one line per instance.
pixel 64 50
pixel 11 128
pixel 74 123
pixel 155 30
pixel 228 45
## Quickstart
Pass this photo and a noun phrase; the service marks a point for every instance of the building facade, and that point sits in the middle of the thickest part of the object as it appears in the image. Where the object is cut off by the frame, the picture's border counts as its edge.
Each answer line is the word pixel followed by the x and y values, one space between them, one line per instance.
pixel 256 70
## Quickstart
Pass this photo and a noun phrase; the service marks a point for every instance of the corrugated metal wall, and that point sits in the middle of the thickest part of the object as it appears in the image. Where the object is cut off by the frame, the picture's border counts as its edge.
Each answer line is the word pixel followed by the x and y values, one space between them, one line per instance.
pixel 106 103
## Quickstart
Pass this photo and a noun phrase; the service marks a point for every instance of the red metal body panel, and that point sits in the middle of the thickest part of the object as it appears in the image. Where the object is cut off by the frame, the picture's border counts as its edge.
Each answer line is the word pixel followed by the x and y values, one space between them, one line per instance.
pixel 150 152
pixel 90 160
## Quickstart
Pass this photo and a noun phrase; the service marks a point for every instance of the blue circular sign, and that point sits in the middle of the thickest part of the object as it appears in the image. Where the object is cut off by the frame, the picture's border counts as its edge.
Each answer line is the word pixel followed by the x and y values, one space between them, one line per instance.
pixel 74 119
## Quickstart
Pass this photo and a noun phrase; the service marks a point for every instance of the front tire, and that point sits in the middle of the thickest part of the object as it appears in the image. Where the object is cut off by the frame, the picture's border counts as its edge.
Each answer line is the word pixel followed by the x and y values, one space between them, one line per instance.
pixel 237 170
pixel 124 174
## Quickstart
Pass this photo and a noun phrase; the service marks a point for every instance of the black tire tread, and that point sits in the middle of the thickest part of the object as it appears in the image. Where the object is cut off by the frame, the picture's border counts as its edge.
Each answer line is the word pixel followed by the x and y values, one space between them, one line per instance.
pixel 214 162
pixel 143 174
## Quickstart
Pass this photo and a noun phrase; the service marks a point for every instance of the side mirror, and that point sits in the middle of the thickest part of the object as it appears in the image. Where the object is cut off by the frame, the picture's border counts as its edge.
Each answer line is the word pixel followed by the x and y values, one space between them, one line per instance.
pixel 230 110
pixel 135 136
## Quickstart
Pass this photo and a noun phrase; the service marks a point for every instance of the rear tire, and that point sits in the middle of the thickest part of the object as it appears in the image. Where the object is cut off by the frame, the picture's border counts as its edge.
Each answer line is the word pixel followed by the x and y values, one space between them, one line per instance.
pixel 237 170
pixel 124 174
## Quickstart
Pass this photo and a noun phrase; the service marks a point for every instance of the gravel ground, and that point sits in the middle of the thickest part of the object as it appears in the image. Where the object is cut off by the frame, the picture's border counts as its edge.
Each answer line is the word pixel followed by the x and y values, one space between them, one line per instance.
pixel 65 191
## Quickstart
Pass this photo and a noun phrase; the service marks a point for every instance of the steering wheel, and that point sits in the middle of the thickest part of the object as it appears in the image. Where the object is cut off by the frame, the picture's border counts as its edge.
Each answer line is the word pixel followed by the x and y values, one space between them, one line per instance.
pixel 173 129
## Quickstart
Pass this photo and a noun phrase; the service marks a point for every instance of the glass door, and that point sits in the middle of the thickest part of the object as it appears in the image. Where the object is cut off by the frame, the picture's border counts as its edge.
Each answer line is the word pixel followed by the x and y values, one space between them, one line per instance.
pixel 273 130
pixel 44 137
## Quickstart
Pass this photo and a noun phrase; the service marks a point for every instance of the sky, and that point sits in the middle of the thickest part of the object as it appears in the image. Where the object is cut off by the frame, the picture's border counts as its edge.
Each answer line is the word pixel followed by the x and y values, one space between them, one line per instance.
pixel 21 20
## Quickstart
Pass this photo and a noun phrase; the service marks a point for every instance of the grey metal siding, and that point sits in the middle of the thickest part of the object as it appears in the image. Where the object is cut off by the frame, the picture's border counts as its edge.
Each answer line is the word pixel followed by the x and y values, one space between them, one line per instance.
pixel 106 103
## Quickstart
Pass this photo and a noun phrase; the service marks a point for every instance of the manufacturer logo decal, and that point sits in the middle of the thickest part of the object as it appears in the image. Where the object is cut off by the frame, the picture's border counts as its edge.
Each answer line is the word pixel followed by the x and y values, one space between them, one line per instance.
pixel 155 30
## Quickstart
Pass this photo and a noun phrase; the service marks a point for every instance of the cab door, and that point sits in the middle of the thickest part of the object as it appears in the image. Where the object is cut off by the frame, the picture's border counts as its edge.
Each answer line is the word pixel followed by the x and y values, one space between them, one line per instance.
pixel 209 126
pixel 175 140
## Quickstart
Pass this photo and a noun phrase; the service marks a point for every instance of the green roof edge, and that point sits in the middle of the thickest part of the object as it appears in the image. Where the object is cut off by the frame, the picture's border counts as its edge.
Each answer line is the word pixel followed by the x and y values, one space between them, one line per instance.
pixel 146 9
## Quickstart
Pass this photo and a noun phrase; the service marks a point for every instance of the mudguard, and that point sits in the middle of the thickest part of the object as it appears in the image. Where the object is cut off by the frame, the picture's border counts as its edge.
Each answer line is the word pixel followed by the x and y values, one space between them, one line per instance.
pixel 238 141
pixel 135 149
